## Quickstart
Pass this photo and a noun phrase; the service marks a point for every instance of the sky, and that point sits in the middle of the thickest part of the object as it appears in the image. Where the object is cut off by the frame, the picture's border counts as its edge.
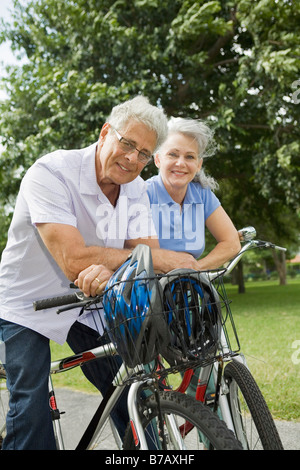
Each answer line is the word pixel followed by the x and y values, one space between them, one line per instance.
pixel 6 55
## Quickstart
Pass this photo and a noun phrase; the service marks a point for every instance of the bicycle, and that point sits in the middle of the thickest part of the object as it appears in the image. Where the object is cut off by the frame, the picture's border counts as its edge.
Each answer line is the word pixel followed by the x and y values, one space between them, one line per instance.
pixel 158 418
pixel 235 394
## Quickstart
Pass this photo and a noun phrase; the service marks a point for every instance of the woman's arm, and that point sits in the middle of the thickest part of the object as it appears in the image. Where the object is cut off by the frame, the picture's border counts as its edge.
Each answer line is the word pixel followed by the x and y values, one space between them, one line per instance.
pixel 228 243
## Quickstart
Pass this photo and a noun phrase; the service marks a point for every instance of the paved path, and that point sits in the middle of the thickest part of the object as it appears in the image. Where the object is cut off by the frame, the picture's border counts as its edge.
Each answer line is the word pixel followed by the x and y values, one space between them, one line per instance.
pixel 80 407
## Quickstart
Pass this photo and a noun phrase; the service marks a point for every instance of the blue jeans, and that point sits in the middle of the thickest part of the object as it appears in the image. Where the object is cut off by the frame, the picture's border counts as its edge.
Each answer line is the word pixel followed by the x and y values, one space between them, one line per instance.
pixel 27 357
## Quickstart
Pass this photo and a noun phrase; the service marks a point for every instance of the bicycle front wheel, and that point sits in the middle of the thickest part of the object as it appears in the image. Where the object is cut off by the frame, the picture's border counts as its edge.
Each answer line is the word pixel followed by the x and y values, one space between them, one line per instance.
pixel 253 422
pixel 187 425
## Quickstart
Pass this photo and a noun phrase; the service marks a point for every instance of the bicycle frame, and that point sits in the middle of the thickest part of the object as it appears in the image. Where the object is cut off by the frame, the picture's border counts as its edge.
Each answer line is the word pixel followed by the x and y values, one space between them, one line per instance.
pixel 123 373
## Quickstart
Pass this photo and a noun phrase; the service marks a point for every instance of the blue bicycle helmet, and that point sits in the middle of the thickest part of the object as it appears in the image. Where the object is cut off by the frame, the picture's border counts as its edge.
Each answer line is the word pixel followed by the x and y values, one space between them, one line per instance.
pixel 132 304
pixel 193 314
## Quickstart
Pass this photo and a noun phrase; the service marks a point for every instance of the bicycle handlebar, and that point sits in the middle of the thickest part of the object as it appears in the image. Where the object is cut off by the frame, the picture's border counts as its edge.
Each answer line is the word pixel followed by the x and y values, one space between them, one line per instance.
pixel 247 235
pixel 70 300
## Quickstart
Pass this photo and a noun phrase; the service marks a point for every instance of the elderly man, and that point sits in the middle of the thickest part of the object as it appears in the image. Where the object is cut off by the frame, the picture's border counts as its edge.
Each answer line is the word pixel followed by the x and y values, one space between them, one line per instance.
pixel 75 209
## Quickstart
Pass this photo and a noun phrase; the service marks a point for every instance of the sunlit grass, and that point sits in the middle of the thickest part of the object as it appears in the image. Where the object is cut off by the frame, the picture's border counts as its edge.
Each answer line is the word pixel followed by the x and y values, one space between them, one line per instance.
pixel 267 317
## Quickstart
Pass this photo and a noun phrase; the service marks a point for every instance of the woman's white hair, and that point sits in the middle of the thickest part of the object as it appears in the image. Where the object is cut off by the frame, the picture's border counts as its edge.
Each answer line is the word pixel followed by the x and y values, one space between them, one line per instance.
pixel 141 110
pixel 205 140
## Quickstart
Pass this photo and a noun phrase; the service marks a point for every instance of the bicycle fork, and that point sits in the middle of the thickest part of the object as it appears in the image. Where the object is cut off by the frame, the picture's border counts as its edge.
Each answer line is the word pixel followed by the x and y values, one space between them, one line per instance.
pixel 218 398
pixel 156 432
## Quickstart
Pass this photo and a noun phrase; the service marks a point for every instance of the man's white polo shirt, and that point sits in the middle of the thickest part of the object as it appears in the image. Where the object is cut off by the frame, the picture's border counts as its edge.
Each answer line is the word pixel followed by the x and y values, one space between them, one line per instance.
pixel 61 187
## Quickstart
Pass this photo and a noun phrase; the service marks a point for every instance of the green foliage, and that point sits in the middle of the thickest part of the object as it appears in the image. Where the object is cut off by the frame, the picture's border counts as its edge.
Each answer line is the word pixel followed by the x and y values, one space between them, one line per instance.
pixel 233 63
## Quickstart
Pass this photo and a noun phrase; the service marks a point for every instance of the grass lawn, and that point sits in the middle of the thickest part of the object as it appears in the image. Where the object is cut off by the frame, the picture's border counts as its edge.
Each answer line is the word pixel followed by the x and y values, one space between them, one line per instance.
pixel 267 318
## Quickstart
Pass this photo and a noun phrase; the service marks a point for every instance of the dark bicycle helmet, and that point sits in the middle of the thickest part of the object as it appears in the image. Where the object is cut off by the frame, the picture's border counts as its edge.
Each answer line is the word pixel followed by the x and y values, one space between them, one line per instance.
pixel 192 311
pixel 132 304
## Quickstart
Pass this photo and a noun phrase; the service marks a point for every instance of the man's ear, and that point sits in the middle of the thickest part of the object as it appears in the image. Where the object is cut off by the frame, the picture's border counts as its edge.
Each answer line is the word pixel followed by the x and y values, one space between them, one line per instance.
pixel 104 131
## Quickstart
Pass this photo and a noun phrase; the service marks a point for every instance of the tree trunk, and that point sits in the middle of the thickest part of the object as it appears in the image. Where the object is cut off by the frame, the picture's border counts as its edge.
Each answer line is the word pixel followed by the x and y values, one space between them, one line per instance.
pixel 238 277
pixel 241 282
pixel 280 263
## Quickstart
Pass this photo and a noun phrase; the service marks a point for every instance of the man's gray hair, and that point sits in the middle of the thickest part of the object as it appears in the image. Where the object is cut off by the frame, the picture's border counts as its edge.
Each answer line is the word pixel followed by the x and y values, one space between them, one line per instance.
pixel 140 109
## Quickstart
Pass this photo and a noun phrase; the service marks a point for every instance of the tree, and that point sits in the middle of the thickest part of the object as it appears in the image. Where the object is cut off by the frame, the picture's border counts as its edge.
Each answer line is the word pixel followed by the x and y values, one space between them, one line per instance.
pixel 233 63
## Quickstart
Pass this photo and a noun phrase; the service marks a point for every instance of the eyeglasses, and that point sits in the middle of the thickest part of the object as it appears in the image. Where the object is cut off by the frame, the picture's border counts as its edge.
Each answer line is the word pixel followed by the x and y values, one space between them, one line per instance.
pixel 129 148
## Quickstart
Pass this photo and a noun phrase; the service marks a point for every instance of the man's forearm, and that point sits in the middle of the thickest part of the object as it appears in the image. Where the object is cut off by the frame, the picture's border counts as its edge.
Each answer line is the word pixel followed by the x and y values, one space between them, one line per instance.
pixel 112 258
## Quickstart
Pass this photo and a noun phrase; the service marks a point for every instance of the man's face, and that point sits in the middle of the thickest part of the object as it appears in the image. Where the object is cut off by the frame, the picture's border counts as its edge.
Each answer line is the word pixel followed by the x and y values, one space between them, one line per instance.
pixel 113 164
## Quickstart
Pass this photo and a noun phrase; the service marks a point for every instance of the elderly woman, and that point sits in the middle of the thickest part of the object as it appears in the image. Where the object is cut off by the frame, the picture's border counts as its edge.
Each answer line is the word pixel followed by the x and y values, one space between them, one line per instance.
pixel 183 203
pixel 182 198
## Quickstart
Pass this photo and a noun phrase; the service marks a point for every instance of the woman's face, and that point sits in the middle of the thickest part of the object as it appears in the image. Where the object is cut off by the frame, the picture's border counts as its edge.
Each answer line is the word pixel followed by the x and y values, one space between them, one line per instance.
pixel 178 161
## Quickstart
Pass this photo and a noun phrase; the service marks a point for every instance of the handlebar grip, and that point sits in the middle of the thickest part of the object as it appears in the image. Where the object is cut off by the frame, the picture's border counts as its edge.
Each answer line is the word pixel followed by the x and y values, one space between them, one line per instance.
pixel 55 301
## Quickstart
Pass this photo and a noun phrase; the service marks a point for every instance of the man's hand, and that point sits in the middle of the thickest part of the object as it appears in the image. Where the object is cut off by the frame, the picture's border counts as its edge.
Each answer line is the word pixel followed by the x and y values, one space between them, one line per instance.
pixel 92 280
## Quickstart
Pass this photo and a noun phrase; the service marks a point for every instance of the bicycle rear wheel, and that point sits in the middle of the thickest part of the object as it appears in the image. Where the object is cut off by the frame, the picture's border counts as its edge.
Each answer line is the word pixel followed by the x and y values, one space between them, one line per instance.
pixel 198 427
pixel 253 422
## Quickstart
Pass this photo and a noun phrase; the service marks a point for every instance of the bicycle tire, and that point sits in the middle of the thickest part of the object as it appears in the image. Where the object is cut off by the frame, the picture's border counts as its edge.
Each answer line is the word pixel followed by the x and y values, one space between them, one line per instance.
pixel 187 410
pixel 244 394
